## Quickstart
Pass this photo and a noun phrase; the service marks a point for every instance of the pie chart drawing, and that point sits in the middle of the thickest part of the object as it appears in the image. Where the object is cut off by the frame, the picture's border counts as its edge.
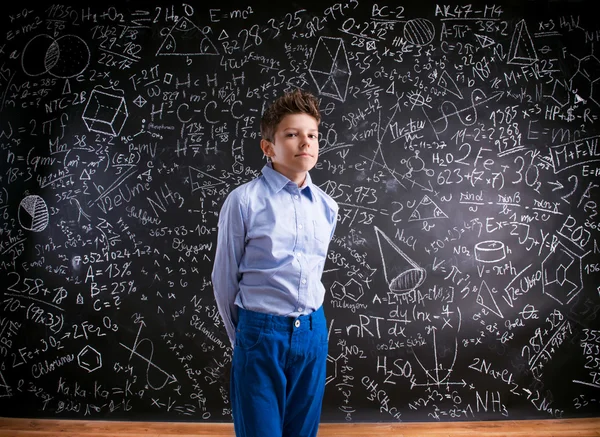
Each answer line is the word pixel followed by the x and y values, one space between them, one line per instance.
pixel 33 213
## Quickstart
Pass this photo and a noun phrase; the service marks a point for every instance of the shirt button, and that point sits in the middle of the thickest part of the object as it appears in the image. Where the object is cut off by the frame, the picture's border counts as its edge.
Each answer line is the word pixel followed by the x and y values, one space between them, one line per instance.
pixel 296 196
pixel 297 323
pixel 300 309
pixel 299 226
pixel 304 281
pixel 298 254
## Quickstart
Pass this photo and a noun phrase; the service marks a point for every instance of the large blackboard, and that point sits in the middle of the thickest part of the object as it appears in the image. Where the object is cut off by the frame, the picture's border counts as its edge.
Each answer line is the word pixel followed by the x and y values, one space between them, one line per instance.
pixel 460 141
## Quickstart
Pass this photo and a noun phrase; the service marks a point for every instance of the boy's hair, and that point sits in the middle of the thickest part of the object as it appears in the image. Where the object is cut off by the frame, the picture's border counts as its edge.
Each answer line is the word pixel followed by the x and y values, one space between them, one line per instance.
pixel 295 102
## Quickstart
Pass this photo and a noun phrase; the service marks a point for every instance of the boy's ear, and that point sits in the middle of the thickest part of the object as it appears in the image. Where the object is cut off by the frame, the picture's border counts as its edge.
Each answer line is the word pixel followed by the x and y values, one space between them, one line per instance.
pixel 266 147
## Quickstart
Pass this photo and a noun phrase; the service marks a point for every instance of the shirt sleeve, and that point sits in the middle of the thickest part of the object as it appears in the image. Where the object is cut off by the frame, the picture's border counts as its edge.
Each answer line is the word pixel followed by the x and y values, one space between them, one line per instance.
pixel 230 248
pixel 335 219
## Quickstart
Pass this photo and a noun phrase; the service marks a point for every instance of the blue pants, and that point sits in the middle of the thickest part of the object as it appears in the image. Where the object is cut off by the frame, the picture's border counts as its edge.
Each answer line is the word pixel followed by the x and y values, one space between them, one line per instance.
pixel 278 374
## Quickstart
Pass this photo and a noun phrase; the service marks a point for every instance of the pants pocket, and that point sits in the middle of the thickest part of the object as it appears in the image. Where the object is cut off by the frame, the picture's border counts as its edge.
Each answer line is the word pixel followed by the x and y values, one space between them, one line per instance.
pixel 248 337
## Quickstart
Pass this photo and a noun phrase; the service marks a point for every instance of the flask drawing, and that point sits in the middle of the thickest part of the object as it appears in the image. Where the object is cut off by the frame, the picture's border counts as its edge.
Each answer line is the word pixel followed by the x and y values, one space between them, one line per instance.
pixel 402 274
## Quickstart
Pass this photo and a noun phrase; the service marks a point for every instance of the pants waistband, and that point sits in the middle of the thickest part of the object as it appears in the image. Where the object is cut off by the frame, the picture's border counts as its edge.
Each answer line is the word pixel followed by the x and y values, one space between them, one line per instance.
pixel 281 323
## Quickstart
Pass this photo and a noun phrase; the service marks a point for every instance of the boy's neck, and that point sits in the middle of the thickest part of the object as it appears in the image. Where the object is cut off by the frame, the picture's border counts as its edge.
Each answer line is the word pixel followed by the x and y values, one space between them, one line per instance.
pixel 298 178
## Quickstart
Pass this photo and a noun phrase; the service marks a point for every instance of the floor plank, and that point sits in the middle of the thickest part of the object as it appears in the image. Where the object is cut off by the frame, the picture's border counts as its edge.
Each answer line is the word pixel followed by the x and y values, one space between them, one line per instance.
pixel 11 427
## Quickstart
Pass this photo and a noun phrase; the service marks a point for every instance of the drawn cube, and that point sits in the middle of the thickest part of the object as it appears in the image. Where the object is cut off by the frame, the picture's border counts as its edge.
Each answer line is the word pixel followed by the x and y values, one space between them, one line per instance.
pixel 105 113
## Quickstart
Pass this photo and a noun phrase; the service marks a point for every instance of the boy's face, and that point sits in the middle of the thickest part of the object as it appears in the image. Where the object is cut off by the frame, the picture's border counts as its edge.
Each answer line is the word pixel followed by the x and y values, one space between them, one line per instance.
pixel 295 147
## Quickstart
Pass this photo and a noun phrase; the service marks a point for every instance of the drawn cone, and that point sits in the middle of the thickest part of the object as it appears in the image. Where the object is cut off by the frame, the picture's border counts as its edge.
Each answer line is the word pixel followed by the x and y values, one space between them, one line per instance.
pixel 402 274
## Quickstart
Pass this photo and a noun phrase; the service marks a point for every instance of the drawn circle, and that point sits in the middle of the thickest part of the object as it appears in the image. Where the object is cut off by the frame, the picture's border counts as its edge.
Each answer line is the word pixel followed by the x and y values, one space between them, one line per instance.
pixel 407 281
pixel 489 251
pixel 67 57
pixel 415 163
pixel 33 213
pixel 417 99
pixel 419 31
pixel 64 57
pixel 33 58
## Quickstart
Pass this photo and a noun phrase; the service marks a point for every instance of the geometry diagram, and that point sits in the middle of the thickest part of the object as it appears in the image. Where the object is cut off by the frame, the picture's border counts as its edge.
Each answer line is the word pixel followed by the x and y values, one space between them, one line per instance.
pixel 449 85
pixel 401 273
pixel 203 181
pixel 484 41
pixel 426 210
pixel 140 101
pixel 64 57
pixel 89 359
pixel 419 31
pixel 522 50
pixel 352 289
pixel 562 274
pixel 485 298
pixel 330 68
pixel 186 39
pixel 490 251
pixel 33 213
pixel 105 113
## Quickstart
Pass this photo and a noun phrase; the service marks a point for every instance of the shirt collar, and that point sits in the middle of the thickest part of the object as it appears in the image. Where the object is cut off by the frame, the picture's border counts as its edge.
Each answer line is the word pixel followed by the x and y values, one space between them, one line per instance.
pixel 277 182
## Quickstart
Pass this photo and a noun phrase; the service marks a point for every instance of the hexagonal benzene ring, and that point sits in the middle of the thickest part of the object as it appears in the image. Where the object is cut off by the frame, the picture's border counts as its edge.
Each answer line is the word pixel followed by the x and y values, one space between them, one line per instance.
pixel 332 368
pixel 238 167
pixel 595 92
pixel 581 84
pixel 560 93
pixel 590 67
pixel 337 290
pixel 561 274
pixel 353 290
pixel 89 359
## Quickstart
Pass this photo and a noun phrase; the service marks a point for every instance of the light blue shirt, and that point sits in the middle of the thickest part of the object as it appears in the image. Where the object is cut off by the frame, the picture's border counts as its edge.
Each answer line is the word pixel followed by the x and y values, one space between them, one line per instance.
pixel 271 248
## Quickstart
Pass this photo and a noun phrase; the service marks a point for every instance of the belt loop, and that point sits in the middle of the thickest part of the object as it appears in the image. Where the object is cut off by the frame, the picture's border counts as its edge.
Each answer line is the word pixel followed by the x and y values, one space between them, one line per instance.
pixel 311 321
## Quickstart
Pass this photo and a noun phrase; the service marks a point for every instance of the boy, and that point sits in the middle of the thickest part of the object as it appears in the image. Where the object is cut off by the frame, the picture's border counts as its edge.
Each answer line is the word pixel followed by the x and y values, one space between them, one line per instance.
pixel 272 245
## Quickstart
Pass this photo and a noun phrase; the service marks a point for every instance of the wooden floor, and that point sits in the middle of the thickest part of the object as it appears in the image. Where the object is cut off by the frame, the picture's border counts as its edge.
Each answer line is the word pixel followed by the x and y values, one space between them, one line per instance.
pixel 512 428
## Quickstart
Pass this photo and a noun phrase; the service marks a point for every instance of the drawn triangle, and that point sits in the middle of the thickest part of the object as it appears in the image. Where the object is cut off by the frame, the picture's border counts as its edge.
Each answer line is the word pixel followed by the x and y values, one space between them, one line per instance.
pixel 4 387
pixel 223 35
pixel 185 38
pixel 485 298
pixel 320 78
pixel 332 45
pixel 522 51
pixel 330 87
pixel 85 176
pixel 401 273
pixel 449 85
pixel 201 180
pixel 485 41
pixel 427 209
pixel 67 87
